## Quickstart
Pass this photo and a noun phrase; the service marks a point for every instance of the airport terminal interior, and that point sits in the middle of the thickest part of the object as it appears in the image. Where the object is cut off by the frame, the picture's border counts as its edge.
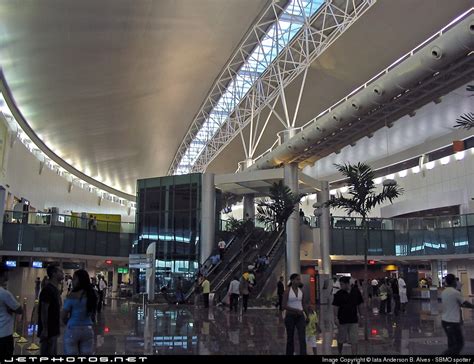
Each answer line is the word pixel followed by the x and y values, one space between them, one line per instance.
pixel 260 177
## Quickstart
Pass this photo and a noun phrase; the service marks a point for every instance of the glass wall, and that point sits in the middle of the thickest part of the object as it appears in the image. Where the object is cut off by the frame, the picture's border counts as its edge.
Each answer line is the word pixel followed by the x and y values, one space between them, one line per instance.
pixel 169 213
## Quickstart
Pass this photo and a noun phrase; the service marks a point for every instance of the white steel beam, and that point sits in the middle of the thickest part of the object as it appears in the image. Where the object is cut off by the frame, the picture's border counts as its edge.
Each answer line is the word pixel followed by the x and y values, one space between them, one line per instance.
pixel 294 57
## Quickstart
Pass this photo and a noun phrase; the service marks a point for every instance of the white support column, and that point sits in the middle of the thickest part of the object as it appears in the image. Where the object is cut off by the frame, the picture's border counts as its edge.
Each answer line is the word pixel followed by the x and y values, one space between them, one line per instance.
pixel 293 232
pixel 434 273
pixel 325 228
pixel 249 200
pixel 249 206
pixel 208 216
pixel 115 282
pixel 151 272
pixel 3 194
pixel 293 238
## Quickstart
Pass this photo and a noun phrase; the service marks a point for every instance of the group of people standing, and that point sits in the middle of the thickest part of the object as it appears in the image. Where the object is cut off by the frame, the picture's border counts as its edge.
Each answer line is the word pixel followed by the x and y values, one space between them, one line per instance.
pixel 390 290
pixel 78 312
pixel 240 288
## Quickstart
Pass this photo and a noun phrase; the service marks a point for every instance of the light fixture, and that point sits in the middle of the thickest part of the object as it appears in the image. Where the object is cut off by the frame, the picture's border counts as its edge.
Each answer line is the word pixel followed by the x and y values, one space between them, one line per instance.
pixel 378 180
pixel 344 189
pixel 459 155
pixel 333 192
pixel 403 173
pixel 416 169
pixel 430 165
pixel 444 160
pixel 390 176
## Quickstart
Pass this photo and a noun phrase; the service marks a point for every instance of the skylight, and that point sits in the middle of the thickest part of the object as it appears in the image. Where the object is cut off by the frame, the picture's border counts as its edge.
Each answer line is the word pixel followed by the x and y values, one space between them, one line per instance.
pixel 278 36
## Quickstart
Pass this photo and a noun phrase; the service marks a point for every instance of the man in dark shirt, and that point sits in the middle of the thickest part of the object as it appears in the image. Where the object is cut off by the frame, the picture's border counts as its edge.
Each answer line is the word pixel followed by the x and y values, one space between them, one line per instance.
pixel 49 311
pixel 346 315
pixel 280 291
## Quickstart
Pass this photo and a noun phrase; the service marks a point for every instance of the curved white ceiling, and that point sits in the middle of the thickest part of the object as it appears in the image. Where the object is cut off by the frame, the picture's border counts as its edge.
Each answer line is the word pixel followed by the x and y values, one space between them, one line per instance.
pixel 112 86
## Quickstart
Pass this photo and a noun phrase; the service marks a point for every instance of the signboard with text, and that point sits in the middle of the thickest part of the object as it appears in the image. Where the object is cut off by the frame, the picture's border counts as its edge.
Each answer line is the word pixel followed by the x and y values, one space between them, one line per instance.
pixel 140 261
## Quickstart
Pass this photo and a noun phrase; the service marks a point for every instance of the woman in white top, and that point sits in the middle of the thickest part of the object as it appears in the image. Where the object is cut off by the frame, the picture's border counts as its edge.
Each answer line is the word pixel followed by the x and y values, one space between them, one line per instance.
pixel 296 315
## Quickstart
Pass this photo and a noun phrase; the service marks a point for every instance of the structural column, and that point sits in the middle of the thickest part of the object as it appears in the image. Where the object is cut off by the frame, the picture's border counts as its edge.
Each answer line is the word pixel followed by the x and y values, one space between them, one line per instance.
pixel 208 216
pixel 293 233
pixel 151 272
pixel 434 273
pixel 2 210
pixel 325 228
pixel 115 282
pixel 249 207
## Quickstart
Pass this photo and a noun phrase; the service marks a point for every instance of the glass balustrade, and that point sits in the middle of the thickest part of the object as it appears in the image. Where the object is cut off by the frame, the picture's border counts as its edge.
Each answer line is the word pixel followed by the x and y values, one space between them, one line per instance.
pixel 438 235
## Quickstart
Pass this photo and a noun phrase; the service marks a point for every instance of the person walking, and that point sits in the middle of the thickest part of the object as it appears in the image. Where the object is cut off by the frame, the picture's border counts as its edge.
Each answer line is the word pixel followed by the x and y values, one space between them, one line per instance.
pixel 78 312
pixel 179 291
pixel 296 315
pixel 451 303
pixel 95 288
pixel 206 290
pixel 346 303
pixel 102 286
pixel 402 290
pixel 44 282
pixel 49 309
pixel 69 284
pixel 234 291
pixel 8 306
pixel 383 295
pixel 280 292
pixel 244 289
pixel 221 246
pixel 37 287
pixel 197 290
pixel 389 295
pixel 312 329
pixel 396 296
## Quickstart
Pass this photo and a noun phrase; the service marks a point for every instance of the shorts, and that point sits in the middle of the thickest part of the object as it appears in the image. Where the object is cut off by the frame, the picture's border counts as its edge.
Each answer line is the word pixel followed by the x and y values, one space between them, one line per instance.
pixel 311 341
pixel 348 333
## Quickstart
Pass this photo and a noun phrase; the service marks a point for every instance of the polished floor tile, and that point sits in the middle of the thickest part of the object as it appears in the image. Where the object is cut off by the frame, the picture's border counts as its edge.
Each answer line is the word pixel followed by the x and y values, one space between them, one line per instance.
pixel 124 328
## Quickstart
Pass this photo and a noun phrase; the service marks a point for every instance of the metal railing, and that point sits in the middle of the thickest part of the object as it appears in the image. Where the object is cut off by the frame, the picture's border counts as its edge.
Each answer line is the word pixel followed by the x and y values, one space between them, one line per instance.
pixel 437 235
pixel 402 224
pixel 71 221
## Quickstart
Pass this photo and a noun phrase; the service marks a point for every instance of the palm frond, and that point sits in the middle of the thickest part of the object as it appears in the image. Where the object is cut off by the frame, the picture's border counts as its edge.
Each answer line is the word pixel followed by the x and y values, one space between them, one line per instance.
pixel 465 121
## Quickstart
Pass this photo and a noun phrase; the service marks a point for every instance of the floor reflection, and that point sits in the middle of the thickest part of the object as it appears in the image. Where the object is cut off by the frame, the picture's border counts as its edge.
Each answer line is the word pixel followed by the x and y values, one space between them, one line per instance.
pixel 125 328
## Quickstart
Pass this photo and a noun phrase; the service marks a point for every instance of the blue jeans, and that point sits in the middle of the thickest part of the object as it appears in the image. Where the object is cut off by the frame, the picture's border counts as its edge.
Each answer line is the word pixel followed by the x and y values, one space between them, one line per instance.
pixel 79 340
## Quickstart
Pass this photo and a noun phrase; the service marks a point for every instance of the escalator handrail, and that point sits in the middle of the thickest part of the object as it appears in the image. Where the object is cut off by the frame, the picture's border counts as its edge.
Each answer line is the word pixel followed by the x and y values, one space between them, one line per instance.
pixel 231 271
pixel 269 270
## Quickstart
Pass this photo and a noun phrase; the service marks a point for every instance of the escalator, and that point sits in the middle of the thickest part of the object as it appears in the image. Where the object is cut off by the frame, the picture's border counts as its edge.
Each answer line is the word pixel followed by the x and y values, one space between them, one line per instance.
pixel 232 252
pixel 263 243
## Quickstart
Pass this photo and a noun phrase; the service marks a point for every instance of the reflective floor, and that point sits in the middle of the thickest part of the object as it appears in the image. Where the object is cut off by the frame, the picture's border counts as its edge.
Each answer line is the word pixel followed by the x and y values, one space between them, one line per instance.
pixel 124 329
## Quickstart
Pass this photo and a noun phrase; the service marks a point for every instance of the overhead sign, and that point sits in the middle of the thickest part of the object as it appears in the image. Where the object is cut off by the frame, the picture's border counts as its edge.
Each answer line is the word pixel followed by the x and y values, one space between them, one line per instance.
pixel 122 270
pixel 140 261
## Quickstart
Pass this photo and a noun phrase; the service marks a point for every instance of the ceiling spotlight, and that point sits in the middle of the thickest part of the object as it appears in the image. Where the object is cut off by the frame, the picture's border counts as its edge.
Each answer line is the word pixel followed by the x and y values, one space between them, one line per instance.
pixel 416 169
pixel 403 173
pixel 378 180
pixel 445 160
pixel 459 155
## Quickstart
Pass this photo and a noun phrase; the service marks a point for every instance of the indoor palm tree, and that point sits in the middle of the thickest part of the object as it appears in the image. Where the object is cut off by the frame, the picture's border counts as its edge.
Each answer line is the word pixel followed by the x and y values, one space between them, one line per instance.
pixel 466 121
pixel 275 210
pixel 360 199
